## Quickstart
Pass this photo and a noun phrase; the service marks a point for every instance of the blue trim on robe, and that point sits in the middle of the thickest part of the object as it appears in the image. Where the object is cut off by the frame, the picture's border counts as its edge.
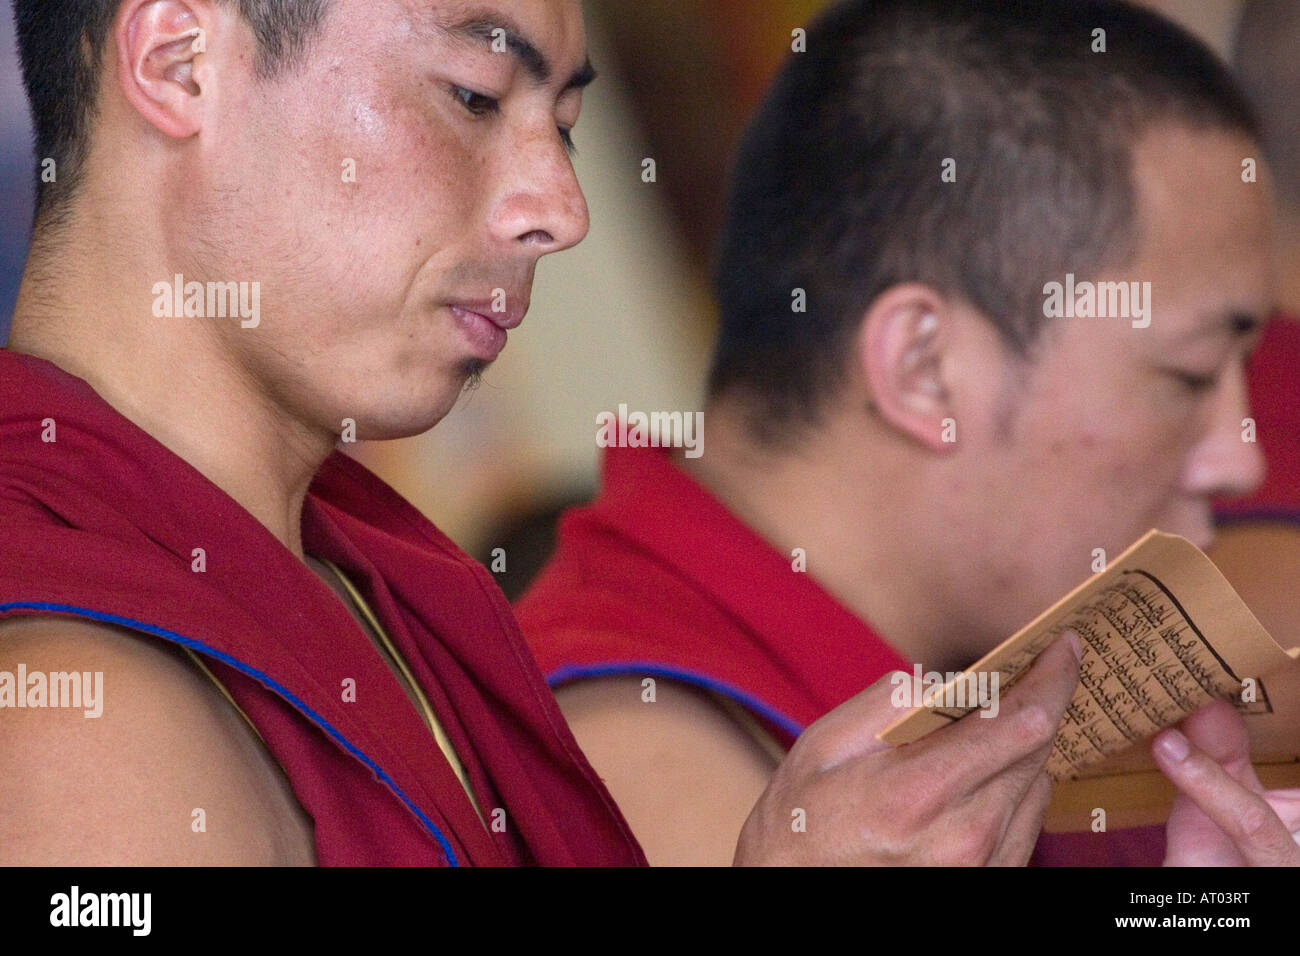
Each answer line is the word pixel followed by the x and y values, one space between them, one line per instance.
pixel 572 672
pixel 1257 513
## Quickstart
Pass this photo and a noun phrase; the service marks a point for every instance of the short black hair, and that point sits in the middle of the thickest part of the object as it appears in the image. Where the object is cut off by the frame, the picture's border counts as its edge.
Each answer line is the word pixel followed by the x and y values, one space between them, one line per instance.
pixel 1267 60
pixel 61 44
pixel 837 189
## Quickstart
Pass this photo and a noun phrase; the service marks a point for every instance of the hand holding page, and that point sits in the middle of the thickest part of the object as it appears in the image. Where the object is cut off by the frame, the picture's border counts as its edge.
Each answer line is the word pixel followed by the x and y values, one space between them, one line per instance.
pixel 1163 634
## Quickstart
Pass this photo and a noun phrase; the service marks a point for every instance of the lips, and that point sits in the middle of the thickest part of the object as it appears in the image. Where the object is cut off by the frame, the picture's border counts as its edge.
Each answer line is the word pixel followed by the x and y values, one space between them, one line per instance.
pixel 509 318
pixel 485 324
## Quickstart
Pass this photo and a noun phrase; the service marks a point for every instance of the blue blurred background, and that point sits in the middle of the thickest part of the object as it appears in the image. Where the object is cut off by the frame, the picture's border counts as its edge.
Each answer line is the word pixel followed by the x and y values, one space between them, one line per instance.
pixel 17 166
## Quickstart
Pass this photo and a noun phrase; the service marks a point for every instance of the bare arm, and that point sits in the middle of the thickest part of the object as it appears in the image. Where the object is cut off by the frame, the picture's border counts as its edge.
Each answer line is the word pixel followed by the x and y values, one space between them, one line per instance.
pixel 123 788
pixel 683 772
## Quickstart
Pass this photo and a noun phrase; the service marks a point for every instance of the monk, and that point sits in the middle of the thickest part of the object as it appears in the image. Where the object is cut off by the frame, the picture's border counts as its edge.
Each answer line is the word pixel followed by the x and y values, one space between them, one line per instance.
pixel 266 227
pixel 910 448
pixel 262 226
pixel 1259 545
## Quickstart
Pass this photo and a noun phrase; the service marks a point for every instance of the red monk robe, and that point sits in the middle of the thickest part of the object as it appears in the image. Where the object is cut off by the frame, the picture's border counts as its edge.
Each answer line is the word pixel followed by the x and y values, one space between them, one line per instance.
pixel 103 523
pixel 658 578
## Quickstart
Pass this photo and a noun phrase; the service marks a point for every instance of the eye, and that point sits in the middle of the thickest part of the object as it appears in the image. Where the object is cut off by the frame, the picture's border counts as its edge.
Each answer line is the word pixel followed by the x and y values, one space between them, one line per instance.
pixel 478 104
pixel 566 137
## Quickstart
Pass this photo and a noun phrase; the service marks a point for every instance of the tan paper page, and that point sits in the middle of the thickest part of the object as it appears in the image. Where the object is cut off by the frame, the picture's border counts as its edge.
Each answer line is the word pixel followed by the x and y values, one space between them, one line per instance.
pixel 1163 634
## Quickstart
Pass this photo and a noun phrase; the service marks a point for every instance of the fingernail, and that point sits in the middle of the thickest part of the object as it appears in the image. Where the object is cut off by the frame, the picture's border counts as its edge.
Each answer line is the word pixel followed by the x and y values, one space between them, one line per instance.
pixel 1075 645
pixel 1173 745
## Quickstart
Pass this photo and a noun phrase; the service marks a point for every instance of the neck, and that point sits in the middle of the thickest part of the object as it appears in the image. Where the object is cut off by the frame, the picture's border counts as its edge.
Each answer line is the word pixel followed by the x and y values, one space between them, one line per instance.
pixel 85 304
pixel 847 511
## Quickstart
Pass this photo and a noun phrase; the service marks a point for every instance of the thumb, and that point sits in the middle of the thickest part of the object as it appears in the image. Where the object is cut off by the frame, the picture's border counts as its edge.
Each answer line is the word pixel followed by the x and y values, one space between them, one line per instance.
pixel 1219 731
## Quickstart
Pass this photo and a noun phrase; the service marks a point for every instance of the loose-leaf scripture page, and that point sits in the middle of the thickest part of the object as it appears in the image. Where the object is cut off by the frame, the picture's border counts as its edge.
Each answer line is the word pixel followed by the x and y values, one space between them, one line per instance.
pixel 1163 634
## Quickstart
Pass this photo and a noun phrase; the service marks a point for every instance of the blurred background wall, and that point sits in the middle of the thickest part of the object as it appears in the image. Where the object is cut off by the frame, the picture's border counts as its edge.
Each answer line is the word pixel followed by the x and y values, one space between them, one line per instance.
pixel 625 317
pixel 17 173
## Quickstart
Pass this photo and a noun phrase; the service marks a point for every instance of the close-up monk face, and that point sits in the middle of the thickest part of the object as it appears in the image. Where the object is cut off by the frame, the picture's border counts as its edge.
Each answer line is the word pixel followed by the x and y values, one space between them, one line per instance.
pixel 1116 429
pixel 392 191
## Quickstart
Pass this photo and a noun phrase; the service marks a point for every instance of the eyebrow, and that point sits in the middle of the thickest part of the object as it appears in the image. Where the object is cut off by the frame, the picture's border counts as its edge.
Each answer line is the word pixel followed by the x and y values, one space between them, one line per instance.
pixel 485 29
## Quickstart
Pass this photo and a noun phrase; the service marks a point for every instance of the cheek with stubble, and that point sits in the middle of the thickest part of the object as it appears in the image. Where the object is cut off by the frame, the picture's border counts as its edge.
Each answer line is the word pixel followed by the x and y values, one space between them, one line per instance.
pixel 1061 509
pixel 1127 483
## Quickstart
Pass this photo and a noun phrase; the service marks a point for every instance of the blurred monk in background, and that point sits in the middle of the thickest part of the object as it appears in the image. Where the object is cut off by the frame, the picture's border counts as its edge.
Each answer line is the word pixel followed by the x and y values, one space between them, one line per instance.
pixel 906 459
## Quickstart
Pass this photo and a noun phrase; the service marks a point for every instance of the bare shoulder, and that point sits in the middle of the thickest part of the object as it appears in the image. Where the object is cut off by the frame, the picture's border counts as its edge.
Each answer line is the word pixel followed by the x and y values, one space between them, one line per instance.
pixel 682 769
pixel 142 761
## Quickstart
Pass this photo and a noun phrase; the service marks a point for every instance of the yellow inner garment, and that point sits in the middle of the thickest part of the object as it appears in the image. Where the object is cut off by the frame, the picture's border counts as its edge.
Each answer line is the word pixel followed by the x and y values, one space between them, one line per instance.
pixel 404 672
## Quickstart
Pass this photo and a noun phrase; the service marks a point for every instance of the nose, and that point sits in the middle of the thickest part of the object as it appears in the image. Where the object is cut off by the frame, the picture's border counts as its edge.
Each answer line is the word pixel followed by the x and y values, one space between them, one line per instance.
pixel 1228 462
pixel 540 205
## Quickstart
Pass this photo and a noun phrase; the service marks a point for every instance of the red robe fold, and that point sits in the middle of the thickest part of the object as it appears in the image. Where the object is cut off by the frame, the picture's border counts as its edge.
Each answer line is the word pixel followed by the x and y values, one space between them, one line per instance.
pixel 103 524
pixel 658 578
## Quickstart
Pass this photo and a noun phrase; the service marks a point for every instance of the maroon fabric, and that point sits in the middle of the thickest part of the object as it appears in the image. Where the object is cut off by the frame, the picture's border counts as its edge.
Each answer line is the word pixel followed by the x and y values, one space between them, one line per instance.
pixel 657 576
pixel 103 523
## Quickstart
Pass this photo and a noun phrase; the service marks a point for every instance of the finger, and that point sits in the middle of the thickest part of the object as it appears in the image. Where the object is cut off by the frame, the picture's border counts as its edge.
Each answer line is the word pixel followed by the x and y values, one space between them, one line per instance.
pixel 1286 804
pixel 1016 742
pixel 849 731
pixel 1010 787
pixel 1026 822
pixel 1243 815
pixel 1219 731
pixel 1193 839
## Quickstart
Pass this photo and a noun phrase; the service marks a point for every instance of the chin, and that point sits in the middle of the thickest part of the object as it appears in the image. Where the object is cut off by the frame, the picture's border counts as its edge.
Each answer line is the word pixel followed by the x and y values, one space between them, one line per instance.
pixel 392 424
pixel 404 415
